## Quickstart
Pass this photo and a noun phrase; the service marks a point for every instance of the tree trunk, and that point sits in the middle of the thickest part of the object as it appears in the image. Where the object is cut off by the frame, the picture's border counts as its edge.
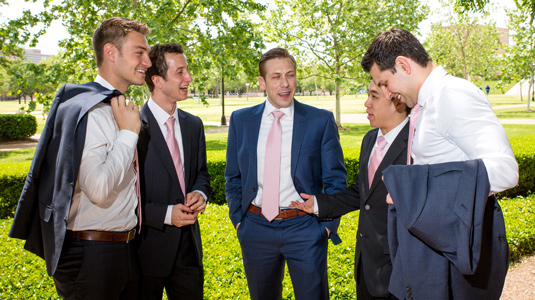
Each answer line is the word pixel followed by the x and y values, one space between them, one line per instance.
pixel 337 115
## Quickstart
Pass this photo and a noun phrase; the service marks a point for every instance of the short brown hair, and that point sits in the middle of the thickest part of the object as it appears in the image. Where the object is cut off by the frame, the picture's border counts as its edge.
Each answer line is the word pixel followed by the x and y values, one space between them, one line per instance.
pixel 273 54
pixel 113 31
pixel 388 45
pixel 159 65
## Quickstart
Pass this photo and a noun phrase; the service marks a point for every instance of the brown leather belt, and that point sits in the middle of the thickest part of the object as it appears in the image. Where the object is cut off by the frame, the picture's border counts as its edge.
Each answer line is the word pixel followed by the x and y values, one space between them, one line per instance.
pixel 104 236
pixel 284 214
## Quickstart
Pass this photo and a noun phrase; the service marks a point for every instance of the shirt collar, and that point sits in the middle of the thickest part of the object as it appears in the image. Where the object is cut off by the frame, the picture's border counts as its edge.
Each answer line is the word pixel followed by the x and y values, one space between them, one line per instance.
pixel 100 80
pixel 288 111
pixel 160 115
pixel 392 134
pixel 427 89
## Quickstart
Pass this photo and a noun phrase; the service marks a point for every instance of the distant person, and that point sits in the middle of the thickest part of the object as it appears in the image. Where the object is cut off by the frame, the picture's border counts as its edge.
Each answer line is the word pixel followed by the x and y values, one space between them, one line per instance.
pixel 275 151
pixel 487 88
pixel 79 203
pixel 456 132
pixel 381 147
pixel 175 183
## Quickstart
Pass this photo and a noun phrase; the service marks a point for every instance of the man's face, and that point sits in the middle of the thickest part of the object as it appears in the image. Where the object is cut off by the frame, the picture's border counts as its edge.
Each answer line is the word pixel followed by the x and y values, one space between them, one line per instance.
pixel 175 86
pixel 133 60
pixel 395 85
pixel 381 111
pixel 280 82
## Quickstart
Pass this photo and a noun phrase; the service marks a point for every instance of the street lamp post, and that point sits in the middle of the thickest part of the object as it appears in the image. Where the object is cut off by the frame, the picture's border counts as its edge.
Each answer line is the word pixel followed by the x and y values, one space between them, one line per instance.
pixel 247 91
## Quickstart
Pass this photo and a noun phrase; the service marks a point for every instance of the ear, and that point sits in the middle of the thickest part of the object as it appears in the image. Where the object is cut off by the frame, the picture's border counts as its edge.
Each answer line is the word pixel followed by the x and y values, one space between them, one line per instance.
pixel 110 52
pixel 157 80
pixel 262 83
pixel 403 64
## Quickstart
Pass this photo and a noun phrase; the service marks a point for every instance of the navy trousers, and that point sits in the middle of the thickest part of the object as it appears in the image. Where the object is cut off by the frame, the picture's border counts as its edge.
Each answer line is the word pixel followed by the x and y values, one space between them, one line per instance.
pixel 300 241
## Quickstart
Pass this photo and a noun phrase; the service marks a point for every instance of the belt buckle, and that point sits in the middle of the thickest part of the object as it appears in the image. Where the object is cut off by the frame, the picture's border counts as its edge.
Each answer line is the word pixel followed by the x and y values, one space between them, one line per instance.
pixel 128 236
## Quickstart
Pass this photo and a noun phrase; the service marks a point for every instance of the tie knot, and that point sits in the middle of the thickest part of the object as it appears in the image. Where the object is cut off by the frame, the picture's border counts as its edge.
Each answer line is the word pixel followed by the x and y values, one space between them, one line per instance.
pixel 277 114
pixel 381 142
pixel 170 123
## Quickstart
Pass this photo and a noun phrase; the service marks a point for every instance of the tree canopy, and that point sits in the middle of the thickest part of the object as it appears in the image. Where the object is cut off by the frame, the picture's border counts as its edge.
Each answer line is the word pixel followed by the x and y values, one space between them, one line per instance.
pixel 332 36
pixel 212 31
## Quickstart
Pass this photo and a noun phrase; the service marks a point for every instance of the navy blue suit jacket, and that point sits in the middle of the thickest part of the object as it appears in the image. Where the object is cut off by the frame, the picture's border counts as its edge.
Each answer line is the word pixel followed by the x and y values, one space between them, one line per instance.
pixel 317 160
pixel 446 235
pixel 44 205
pixel 159 243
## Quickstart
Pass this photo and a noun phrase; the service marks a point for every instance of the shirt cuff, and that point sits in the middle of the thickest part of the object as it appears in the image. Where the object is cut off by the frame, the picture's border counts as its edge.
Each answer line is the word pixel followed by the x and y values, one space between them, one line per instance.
pixel 128 137
pixel 316 208
pixel 167 220
pixel 203 195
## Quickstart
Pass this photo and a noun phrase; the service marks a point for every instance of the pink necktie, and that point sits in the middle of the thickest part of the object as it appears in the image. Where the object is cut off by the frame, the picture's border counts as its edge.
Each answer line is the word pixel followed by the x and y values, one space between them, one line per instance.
pixel 138 190
pixel 412 126
pixel 272 166
pixel 376 158
pixel 175 152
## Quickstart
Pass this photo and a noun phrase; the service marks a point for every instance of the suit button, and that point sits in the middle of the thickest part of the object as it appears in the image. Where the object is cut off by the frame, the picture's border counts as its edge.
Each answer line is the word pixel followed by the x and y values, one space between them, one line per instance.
pixel 65 220
pixel 72 184
pixel 254 190
pixel 367 207
pixel 497 208
pixel 502 239
pixel 360 234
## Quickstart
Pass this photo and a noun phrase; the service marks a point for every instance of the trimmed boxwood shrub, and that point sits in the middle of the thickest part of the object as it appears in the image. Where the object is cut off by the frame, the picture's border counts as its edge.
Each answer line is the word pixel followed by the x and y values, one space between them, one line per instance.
pixel 17 127
pixel 23 275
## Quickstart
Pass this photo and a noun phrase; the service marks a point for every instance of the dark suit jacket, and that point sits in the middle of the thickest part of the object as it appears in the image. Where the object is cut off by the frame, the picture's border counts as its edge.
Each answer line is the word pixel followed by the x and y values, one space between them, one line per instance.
pixel 160 188
pixel 317 159
pixel 43 209
pixel 446 235
pixel 372 240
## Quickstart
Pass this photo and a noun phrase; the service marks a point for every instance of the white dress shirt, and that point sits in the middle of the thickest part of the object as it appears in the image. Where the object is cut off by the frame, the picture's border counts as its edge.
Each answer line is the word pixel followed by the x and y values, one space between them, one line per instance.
pixel 104 197
pixel 389 137
pixel 161 117
pixel 457 123
pixel 287 190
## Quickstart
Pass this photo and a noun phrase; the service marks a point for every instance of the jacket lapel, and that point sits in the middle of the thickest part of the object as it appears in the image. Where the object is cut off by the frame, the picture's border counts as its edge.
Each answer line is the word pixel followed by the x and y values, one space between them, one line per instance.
pixel 253 129
pixel 186 145
pixel 300 124
pixel 157 140
pixel 398 145
pixel 368 148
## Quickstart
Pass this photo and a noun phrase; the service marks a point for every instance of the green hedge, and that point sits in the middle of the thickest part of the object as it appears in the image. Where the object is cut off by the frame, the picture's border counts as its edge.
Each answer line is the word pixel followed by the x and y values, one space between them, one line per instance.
pixel 23 275
pixel 12 178
pixel 17 127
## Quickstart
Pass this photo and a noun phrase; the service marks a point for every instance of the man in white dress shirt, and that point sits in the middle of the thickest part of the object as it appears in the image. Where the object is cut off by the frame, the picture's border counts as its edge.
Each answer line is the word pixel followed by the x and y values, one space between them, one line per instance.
pixel 455 121
pixel 78 209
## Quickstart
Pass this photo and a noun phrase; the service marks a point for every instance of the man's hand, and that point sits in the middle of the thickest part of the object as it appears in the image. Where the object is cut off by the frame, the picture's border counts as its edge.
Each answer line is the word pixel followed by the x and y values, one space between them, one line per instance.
pixel 195 201
pixel 183 215
pixel 389 199
pixel 307 206
pixel 126 116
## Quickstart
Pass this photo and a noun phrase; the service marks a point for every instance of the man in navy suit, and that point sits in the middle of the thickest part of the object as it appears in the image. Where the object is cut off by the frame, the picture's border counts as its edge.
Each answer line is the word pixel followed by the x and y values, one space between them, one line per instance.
pixel 78 206
pixel 309 160
pixel 175 183
pixel 372 259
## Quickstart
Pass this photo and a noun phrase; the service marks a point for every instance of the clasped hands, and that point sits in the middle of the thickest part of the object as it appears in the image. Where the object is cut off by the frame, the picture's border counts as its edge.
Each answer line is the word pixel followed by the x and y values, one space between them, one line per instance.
pixel 186 214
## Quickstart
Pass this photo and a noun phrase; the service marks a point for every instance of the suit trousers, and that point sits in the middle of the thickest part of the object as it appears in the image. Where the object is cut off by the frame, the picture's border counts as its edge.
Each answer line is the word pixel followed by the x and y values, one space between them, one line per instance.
pixel 300 241
pixel 362 290
pixel 97 270
pixel 186 280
